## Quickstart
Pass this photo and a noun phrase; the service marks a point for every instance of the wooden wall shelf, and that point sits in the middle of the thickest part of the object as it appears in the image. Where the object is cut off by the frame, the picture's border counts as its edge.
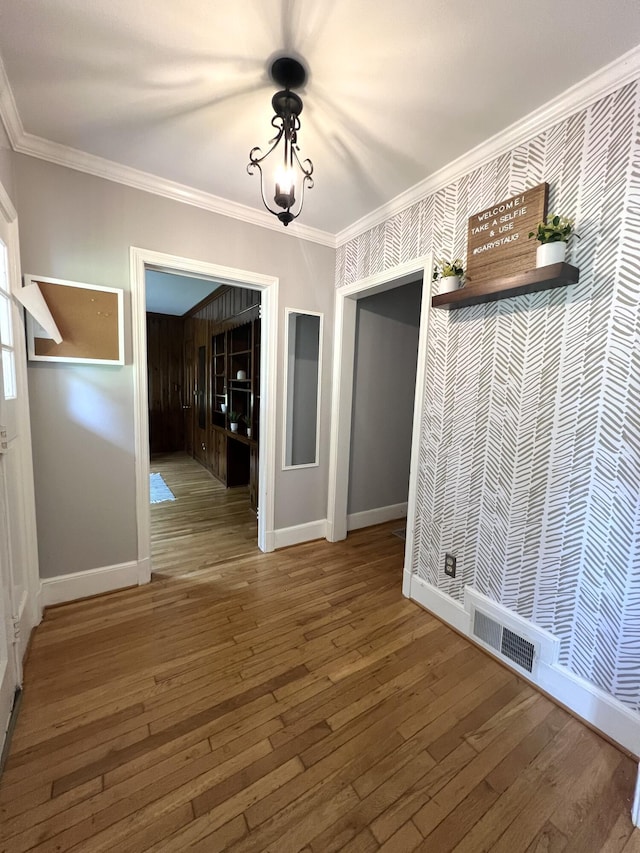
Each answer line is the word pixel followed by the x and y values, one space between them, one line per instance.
pixel 542 278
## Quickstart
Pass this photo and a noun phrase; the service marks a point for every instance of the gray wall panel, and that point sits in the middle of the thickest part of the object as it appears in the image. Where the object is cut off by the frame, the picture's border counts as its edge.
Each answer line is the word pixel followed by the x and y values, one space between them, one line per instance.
pixel 78 227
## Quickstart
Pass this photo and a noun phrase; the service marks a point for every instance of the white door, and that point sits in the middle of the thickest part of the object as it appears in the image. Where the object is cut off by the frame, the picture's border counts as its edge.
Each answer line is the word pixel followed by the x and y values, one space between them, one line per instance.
pixel 9 663
pixel 18 541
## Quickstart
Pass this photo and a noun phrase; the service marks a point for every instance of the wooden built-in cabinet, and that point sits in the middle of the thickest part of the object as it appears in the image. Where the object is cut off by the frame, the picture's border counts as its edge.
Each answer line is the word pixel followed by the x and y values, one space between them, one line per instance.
pixel 219 378
pixel 225 335
pixel 234 388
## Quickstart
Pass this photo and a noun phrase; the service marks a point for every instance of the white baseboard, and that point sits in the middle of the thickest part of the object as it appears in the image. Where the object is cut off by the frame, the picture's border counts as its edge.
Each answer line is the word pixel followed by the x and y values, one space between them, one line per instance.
pixel 26 622
pixel 601 710
pixel 144 571
pixel 369 517
pixel 300 533
pixel 335 533
pixel 70 587
pixel 597 708
pixel 406 583
pixel 440 604
pixel 635 809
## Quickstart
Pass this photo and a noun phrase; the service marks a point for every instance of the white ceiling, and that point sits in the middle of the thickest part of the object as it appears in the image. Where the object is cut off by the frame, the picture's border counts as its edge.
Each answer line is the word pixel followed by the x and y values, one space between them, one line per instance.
pixel 397 88
pixel 169 293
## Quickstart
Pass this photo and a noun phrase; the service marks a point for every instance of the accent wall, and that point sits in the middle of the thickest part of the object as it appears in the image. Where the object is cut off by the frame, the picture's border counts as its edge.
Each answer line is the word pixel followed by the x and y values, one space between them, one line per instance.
pixel 530 437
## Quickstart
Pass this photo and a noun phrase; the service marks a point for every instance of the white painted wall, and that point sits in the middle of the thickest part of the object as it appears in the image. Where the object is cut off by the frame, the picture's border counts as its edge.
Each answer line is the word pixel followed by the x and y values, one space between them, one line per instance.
pixel 387 328
pixel 78 227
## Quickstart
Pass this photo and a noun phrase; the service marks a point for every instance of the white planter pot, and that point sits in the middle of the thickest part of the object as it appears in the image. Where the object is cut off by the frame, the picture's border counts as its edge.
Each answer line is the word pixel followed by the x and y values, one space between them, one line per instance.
pixel 550 253
pixel 449 283
pixel 233 427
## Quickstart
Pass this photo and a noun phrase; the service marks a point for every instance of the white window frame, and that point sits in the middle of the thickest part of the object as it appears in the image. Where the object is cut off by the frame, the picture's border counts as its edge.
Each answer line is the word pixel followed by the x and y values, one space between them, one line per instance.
pixel 7 347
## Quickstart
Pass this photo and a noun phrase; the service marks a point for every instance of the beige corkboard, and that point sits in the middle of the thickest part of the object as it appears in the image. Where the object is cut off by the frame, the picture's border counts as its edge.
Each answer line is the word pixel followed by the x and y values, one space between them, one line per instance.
pixel 88 317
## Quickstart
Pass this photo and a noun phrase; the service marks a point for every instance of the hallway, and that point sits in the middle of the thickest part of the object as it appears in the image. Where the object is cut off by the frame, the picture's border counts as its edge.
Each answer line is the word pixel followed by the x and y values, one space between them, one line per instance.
pixel 292 701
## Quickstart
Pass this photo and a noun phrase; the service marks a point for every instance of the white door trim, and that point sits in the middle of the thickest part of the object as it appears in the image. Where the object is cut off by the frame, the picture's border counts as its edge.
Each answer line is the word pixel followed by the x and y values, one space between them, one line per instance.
pixel 140 260
pixel 342 392
pixel 27 612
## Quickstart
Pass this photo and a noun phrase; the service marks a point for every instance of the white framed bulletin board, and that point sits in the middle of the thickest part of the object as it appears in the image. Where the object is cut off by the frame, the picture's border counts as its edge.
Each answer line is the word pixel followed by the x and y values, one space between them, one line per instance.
pixel 89 319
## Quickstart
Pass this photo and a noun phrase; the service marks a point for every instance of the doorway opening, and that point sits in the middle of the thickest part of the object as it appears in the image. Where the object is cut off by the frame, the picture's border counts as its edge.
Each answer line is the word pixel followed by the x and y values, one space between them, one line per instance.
pixel 203 368
pixel 263 291
pixel 384 382
pixel 342 421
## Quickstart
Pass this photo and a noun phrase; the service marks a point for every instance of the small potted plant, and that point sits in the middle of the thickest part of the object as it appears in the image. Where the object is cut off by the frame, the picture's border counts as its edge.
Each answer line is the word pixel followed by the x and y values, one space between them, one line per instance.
pixel 234 420
pixel 449 274
pixel 553 235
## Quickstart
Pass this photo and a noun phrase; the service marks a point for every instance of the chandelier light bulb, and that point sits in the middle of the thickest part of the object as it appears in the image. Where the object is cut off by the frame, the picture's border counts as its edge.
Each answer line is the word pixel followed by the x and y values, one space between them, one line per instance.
pixel 285 195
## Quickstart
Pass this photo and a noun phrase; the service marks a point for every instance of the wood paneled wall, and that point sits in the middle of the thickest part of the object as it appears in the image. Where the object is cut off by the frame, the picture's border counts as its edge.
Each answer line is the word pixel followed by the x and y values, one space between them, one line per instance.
pixel 228 307
pixel 165 346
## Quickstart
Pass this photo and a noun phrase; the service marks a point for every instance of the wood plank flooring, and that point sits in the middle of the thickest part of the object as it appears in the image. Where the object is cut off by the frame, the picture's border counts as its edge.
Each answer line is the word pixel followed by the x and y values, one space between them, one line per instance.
pixel 206 524
pixel 286 702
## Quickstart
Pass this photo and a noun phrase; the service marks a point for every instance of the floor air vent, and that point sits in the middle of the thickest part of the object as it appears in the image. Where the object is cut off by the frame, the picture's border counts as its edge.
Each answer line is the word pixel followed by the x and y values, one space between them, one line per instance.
pixel 518 649
pixel 507 643
pixel 487 630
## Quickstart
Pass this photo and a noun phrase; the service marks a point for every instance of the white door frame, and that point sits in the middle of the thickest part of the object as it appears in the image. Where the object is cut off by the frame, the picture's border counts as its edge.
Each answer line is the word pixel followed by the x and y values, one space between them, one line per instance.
pixel 344 339
pixel 27 612
pixel 140 261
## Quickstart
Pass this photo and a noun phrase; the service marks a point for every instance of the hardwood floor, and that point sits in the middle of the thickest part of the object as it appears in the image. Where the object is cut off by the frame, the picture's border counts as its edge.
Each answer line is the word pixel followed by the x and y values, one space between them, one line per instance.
pixel 289 702
pixel 205 525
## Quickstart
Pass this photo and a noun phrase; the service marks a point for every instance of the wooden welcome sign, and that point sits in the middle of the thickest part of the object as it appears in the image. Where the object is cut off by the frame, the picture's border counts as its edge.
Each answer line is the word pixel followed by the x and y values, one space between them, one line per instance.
pixel 498 241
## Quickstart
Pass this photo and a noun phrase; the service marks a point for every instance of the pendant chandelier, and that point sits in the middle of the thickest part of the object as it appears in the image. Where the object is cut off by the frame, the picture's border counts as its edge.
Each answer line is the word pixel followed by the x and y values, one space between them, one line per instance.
pixel 290 173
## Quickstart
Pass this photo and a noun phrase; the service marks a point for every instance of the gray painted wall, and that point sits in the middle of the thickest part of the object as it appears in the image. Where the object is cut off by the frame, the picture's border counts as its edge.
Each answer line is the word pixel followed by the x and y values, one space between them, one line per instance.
pixel 78 227
pixel 387 329
pixel 530 457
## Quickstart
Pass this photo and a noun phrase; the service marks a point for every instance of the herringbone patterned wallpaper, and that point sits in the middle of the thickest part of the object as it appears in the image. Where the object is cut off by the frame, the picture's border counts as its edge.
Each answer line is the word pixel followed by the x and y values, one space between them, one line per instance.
pixel 530 452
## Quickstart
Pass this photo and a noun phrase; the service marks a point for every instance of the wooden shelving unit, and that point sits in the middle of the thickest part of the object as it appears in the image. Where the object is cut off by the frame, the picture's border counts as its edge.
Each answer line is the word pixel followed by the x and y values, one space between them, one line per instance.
pixel 221 339
pixel 232 456
pixel 218 378
pixel 242 356
pixel 542 278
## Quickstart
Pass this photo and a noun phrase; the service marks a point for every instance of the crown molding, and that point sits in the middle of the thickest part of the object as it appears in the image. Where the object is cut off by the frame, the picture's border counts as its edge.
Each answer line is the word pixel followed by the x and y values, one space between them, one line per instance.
pixel 603 82
pixel 81 161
